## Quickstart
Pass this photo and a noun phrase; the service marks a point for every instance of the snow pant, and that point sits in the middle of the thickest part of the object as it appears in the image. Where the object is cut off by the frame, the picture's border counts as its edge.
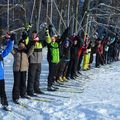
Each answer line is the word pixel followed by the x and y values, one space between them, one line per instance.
pixel 91 57
pixel 72 68
pixel 117 56
pixel 80 57
pixel 106 57
pixel 63 66
pixel 33 78
pixel 86 61
pixel 53 68
pixel 111 54
pixel 80 61
pixel 2 93
pixel 93 51
pixel 102 59
pixel 98 60
pixel 19 87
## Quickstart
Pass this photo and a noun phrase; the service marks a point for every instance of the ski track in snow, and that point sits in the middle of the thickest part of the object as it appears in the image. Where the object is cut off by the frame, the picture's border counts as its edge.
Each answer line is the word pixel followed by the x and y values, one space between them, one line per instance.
pixel 100 99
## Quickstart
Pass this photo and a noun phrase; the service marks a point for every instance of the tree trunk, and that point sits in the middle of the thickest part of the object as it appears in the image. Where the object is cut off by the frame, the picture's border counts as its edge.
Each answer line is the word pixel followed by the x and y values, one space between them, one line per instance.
pixel 85 14
pixel 76 15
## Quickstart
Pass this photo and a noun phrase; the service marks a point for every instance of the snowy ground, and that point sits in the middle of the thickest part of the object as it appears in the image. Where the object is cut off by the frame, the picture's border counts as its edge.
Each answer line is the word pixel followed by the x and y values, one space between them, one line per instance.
pixel 94 96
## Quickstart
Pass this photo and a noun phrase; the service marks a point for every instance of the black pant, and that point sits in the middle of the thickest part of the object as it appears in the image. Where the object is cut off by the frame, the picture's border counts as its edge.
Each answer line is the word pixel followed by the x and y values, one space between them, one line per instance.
pixel 72 68
pixel 63 68
pixel 53 68
pixel 33 78
pixel 19 87
pixel 80 61
pixel 106 57
pixel 69 71
pixel 99 60
pixel 60 68
pixel 2 93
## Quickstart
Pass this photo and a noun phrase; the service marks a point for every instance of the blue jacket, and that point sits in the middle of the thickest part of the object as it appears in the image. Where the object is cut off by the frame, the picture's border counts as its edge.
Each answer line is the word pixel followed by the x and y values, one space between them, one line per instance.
pixel 5 52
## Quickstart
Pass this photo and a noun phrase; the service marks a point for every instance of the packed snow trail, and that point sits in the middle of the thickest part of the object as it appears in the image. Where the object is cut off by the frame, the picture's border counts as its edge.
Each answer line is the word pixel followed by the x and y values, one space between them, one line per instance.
pixel 99 100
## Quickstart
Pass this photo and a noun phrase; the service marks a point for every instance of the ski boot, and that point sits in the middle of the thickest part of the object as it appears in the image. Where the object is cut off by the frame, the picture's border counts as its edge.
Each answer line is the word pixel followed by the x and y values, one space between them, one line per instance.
pixel 32 95
pixel 26 97
pixel 55 87
pixel 38 92
pixel 65 79
pixel 16 101
pixel 51 89
pixel 60 79
pixel 6 108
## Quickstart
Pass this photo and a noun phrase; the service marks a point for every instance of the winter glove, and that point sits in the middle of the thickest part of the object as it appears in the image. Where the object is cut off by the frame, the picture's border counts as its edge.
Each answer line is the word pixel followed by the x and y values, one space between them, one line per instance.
pixel 28 26
pixel 1 58
pixel 47 32
pixel 47 36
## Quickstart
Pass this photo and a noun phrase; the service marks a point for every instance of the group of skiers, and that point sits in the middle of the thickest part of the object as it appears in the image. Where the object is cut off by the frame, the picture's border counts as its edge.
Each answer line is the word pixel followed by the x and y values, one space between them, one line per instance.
pixel 66 57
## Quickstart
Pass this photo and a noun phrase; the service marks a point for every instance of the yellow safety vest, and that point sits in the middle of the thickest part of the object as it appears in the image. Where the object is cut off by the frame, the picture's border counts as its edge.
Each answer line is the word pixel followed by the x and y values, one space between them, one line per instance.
pixel 38 45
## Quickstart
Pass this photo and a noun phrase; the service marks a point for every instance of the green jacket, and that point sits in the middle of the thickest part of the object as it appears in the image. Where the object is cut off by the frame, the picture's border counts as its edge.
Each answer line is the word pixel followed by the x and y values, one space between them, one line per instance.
pixel 54 51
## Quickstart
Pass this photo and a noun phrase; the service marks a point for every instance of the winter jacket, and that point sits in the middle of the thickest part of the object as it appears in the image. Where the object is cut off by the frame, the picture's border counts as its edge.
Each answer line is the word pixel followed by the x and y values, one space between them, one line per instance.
pixel 65 50
pixel 36 56
pixel 66 53
pixel 53 52
pixel 100 49
pixel 21 62
pixel 5 52
pixel 81 48
pixel 74 52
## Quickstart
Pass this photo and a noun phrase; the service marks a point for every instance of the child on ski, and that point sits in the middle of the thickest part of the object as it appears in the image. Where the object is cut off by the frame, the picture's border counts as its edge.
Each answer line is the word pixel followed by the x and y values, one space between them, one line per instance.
pixel 72 67
pixel 80 52
pixel 87 52
pixel 53 57
pixel 5 52
pixel 20 68
pixel 65 58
